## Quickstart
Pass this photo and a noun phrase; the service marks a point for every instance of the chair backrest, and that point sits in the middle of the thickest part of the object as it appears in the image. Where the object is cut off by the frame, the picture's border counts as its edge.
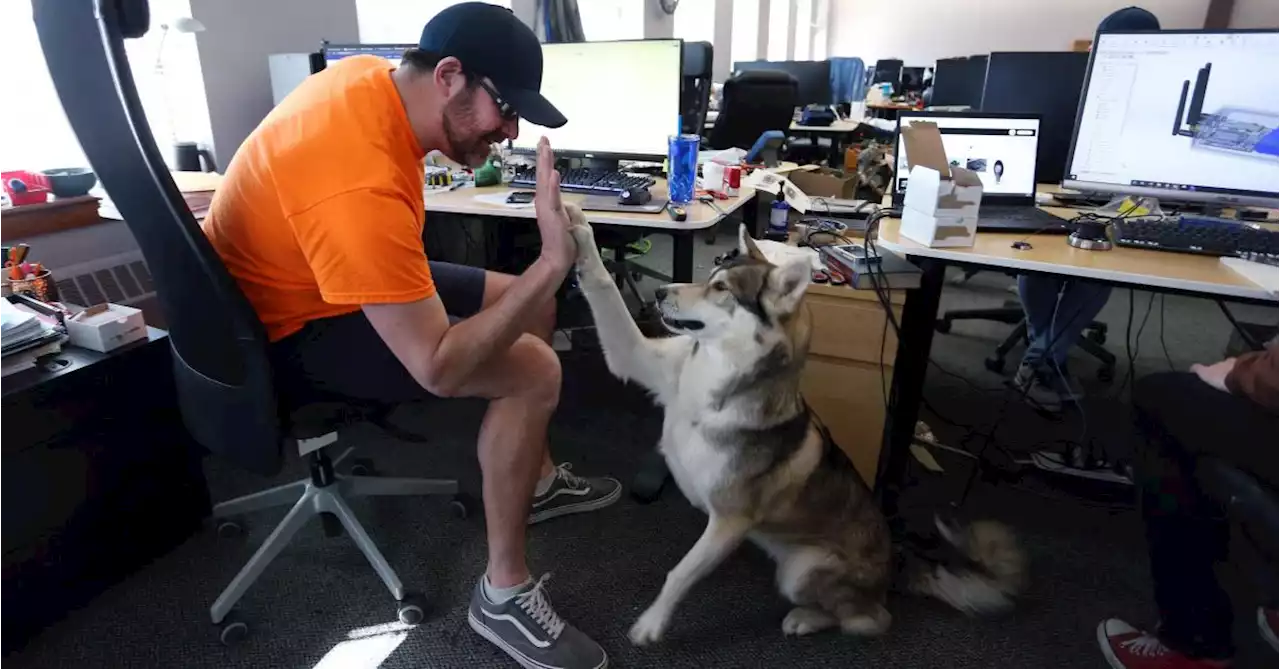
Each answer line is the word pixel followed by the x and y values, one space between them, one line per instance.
pixel 755 101
pixel 221 367
pixel 695 86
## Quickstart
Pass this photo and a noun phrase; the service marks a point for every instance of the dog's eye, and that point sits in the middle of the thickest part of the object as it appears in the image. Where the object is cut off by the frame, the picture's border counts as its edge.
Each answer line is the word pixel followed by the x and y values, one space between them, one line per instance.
pixel 719 286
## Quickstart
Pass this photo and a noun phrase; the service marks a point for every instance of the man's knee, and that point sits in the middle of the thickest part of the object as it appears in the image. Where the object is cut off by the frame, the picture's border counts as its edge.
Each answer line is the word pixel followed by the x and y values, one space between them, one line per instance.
pixel 537 369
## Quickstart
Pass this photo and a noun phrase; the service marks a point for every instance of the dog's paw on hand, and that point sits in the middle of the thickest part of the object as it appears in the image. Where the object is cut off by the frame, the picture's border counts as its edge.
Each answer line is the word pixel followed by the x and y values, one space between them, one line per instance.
pixel 649 627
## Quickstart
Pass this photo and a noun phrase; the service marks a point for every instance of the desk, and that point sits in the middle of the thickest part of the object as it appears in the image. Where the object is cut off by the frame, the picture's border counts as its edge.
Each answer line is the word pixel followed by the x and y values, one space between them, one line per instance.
pixel 701 216
pixel 1123 266
pixel 99 478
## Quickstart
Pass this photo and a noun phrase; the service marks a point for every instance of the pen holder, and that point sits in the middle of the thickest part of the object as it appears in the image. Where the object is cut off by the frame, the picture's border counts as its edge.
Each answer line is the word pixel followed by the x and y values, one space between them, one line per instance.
pixel 682 167
pixel 40 286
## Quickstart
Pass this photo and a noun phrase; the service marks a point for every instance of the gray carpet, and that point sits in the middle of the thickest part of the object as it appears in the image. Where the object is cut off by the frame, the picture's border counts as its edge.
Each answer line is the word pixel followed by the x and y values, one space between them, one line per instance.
pixel 321 606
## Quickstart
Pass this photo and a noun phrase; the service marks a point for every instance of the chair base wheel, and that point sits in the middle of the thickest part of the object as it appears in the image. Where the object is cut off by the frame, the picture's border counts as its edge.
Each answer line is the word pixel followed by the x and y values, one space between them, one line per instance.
pixel 232 631
pixel 229 529
pixel 363 467
pixel 942 326
pixel 412 610
pixel 994 364
pixel 460 506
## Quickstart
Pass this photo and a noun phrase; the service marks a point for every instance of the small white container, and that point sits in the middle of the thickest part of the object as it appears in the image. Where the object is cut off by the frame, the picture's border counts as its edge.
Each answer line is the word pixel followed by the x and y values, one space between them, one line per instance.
pixel 106 327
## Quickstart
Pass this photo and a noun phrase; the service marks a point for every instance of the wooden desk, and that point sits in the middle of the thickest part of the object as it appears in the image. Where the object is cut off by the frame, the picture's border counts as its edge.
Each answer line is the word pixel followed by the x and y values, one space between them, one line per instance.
pixel 700 216
pixel 1128 267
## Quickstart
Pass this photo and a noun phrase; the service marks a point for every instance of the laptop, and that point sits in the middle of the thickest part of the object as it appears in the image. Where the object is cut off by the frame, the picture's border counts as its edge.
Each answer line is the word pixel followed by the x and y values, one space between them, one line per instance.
pixel 1002 149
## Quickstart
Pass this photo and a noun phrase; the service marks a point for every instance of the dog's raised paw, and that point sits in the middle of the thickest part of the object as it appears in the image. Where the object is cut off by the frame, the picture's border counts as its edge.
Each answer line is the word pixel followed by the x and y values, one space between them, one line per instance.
pixel 804 620
pixel 648 628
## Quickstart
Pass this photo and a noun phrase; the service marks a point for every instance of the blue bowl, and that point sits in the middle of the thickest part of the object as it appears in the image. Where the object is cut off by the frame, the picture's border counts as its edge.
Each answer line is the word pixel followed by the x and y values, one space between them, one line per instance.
pixel 71 181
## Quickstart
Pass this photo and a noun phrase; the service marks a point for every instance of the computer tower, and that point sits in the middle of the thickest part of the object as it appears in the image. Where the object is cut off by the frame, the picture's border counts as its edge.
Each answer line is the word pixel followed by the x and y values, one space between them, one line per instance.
pixel 1047 83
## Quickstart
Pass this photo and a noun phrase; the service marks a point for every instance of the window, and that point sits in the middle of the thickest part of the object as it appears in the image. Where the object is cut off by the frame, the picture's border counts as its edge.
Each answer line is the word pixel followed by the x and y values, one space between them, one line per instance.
pixel 821 21
pixel 695 21
pixel 804 28
pixel 779 28
pixel 746 31
pixel 34 131
pixel 400 21
pixel 604 20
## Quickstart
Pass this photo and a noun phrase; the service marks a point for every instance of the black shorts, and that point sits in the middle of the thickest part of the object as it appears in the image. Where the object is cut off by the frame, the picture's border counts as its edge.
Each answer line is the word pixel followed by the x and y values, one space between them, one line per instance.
pixel 345 356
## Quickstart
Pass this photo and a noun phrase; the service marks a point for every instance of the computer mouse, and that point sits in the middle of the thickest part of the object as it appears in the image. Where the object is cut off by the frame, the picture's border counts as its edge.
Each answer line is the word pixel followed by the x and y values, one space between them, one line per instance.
pixel 635 196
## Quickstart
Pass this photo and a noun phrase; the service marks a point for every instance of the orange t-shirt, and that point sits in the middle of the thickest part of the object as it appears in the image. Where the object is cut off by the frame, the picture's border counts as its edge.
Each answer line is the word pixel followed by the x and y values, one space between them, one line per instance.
pixel 321 208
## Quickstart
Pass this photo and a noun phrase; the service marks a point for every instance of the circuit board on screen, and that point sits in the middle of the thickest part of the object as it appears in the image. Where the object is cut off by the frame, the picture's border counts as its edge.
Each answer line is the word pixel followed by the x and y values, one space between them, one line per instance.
pixel 1221 131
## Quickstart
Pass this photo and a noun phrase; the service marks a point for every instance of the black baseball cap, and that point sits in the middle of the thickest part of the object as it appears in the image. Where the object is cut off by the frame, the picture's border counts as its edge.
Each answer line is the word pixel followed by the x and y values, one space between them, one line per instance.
pixel 491 42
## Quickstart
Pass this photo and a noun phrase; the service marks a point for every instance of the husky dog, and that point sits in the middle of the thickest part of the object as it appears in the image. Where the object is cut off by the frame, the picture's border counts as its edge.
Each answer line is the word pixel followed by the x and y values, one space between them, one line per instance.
pixel 744 448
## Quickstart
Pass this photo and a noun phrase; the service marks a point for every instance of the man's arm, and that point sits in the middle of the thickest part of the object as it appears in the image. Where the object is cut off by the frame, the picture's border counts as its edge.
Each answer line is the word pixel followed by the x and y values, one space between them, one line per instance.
pixel 1255 376
pixel 441 357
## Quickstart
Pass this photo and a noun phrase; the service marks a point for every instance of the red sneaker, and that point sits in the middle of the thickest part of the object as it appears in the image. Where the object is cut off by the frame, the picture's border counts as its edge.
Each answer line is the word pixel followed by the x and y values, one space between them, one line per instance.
pixel 1267 625
pixel 1129 648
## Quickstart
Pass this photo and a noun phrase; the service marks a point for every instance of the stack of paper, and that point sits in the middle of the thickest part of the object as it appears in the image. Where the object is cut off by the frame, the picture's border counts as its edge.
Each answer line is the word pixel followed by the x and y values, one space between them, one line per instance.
pixel 24 338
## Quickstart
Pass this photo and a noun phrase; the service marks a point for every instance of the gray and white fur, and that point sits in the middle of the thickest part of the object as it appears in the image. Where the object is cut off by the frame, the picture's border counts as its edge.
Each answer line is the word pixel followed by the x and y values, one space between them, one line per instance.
pixel 744 448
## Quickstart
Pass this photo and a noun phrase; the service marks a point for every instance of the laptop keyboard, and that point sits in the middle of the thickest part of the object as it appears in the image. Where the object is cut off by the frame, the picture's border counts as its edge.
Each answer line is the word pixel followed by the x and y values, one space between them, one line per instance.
pixel 1003 217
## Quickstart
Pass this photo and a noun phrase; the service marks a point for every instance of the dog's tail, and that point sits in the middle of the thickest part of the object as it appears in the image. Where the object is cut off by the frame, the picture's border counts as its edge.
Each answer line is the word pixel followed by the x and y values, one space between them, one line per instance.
pixel 977 567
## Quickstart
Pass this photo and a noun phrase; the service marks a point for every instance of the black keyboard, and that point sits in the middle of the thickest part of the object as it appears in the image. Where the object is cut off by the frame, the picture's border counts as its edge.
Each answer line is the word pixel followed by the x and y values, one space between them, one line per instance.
pixel 583 180
pixel 1203 236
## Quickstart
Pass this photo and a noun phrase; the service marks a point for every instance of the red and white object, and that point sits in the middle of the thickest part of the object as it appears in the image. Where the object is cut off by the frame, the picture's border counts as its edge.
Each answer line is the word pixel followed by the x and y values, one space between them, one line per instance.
pixel 732 180
pixel 106 327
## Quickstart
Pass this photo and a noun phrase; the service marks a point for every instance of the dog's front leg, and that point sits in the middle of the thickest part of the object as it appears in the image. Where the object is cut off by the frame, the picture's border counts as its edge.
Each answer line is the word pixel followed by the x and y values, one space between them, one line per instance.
pixel 653 363
pixel 721 536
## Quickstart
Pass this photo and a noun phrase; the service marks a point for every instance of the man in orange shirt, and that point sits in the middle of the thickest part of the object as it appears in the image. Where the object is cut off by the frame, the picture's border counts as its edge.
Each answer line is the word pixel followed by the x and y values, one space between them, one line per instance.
pixel 320 220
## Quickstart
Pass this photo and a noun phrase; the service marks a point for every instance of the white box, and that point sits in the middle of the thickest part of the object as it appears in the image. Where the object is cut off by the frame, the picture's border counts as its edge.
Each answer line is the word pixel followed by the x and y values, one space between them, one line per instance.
pixel 106 327
pixel 941 206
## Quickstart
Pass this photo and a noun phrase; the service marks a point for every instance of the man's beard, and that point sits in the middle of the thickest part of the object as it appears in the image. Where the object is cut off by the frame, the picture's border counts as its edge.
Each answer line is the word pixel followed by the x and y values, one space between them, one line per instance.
pixel 463 146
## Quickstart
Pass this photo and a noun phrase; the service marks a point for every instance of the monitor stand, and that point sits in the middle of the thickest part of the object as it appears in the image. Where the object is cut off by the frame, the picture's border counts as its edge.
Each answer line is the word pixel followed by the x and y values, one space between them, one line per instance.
pixel 603 164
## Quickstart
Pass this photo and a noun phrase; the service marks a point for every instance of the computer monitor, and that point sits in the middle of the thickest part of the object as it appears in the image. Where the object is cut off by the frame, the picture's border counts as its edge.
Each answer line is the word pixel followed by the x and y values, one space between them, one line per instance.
pixel 1187 115
pixel 912 80
pixel 887 71
pixel 392 52
pixel 958 81
pixel 1001 148
pixel 814 76
pixel 1045 83
pixel 622 99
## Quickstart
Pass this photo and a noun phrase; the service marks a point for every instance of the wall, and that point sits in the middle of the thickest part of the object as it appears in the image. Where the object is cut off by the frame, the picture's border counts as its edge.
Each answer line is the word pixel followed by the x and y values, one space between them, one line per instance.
pixel 1255 14
pixel 238 37
pixel 922 31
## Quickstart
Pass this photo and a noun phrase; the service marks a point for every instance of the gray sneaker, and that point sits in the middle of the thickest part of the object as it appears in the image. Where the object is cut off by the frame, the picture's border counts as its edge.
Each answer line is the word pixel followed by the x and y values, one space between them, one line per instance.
pixel 528 629
pixel 570 493
pixel 1027 380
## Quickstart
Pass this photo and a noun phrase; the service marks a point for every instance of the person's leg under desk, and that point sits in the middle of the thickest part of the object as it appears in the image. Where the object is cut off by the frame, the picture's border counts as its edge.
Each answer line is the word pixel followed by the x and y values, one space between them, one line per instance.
pixel 1038 294
pixel 1082 301
pixel 1186 532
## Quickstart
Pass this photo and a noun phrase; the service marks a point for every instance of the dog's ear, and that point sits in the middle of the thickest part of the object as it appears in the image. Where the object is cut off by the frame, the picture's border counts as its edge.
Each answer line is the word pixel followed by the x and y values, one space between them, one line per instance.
pixel 747 245
pixel 788 283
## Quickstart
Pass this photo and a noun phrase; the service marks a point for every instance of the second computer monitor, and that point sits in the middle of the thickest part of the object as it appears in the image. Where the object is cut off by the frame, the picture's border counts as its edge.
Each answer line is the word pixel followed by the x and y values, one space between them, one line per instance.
pixel 959 81
pixel 392 52
pixel 1181 115
pixel 814 76
pixel 1045 83
pixel 622 99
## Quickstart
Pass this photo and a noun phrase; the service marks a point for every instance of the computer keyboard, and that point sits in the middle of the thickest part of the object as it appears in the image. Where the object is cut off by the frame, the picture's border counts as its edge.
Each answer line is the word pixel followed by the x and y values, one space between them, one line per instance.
pixel 1203 236
pixel 583 180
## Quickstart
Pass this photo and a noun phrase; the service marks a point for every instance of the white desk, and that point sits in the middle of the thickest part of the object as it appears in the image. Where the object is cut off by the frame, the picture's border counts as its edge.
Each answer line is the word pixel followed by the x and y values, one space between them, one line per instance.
pixel 701 216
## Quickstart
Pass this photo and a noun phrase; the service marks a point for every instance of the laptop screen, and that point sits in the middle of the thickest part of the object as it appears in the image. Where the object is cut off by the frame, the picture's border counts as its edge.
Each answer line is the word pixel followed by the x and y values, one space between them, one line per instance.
pixel 1000 148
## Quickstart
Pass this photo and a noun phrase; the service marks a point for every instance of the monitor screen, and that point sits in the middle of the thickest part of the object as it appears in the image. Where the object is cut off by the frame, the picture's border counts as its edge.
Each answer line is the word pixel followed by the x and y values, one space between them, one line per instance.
pixel 813 77
pixel 1185 115
pixel 1044 83
pixel 622 99
pixel 959 81
pixel 1001 149
pixel 392 52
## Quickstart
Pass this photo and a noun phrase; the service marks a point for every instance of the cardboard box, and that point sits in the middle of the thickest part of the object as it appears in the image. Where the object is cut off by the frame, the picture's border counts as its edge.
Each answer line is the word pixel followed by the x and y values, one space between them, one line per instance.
pixel 940 208
pixel 105 327
pixel 818 181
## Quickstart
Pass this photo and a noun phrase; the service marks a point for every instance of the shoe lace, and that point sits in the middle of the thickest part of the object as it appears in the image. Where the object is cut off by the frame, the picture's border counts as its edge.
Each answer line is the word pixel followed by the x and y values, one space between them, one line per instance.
pixel 535 602
pixel 1146 645
pixel 570 479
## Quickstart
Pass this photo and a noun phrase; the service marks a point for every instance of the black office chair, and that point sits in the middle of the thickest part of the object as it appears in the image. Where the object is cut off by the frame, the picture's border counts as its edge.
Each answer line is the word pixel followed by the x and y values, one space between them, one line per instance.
pixel 695 86
pixel 1249 502
pixel 1091 340
pixel 221 367
pixel 755 102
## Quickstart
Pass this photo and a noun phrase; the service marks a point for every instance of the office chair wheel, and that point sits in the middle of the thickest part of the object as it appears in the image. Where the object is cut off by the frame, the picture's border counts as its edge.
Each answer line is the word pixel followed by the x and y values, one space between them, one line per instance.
pixel 363 467
pixel 1106 374
pixel 331 524
pixel 1097 336
pixel 232 630
pixel 460 506
pixel 412 610
pixel 994 364
pixel 229 529
pixel 943 326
